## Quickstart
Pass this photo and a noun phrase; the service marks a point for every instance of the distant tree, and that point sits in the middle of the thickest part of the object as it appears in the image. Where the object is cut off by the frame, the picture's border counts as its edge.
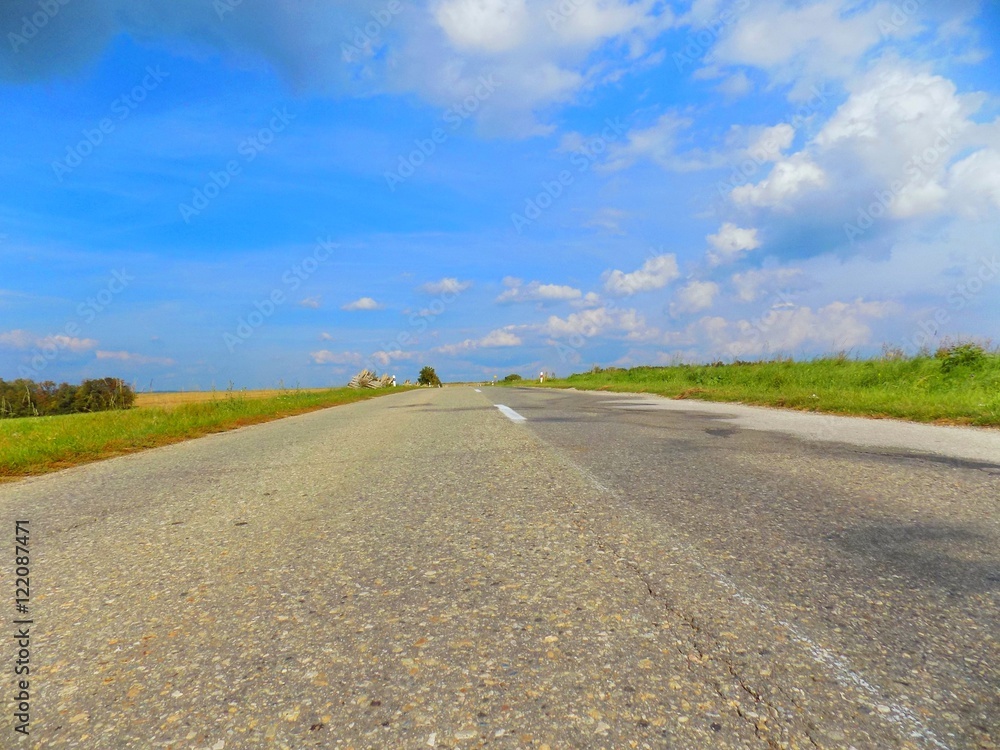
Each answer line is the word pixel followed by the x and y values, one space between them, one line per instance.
pixel 26 398
pixel 428 377
pixel 512 378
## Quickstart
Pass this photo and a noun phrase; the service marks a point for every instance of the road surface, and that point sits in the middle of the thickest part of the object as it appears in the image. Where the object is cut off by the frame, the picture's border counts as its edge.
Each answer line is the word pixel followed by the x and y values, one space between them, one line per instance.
pixel 578 570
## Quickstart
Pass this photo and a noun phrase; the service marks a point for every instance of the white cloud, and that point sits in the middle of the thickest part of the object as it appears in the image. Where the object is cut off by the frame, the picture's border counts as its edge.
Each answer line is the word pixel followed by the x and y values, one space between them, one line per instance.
pixel 785 329
pixel 135 359
pixel 590 299
pixel 788 178
pixel 385 358
pixel 483 25
pixel 975 183
pixel 889 150
pixel 736 85
pixel 730 242
pixel 327 357
pixel 536 292
pixel 448 285
pixel 694 297
pixel 608 219
pixel 500 337
pixel 365 303
pixel 72 343
pixel 801 43
pixel 18 339
pixel 540 53
pixel 311 302
pixel 659 143
pixel 751 284
pixel 324 336
pixel 773 140
pixel 655 273
pixel 599 321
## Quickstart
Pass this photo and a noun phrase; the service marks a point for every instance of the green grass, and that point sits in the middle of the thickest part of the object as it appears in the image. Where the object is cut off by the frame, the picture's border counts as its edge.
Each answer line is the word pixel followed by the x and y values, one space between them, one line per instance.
pixel 35 445
pixel 923 388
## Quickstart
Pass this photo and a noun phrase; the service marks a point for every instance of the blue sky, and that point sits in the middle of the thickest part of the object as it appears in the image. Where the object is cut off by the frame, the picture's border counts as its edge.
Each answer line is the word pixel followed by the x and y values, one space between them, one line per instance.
pixel 199 192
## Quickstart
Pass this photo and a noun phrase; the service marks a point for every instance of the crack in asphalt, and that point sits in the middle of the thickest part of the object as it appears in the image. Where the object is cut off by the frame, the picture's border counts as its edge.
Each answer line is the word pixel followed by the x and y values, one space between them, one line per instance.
pixel 762 732
pixel 902 717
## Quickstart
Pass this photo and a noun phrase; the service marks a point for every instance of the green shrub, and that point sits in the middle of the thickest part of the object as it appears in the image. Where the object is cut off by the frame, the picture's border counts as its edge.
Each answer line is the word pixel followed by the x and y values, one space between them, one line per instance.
pixel 966 354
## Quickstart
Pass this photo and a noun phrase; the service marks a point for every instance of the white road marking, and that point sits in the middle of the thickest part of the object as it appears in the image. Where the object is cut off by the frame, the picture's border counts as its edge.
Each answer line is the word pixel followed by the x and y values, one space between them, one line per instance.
pixel 477 390
pixel 512 415
pixel 900 714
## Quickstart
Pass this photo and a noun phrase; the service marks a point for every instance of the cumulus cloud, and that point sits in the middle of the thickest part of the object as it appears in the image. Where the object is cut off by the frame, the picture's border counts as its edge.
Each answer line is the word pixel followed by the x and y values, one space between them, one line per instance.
pixel 694 297
pixel 483 25
pixel 17 339
pixel 135 359
pixel 439 50
pixel 787 180
pixel 447 285
pixel 385 358
pixel 21 339
pixel 736 85
pixel 802 43
pixel 313 303
pixel 788 328
pixel 750 285
pixel 974 183
pixel 590 299
pixel 500 337
pixel 364 303
pixel 904 144
pixel 730 242
pixel 536 291
pixel 598 322
pixel 655 273
pixel 772 140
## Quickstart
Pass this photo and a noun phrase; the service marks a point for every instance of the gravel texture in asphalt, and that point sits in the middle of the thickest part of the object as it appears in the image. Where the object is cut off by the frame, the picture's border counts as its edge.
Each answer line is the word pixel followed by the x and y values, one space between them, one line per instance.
pixel 420 571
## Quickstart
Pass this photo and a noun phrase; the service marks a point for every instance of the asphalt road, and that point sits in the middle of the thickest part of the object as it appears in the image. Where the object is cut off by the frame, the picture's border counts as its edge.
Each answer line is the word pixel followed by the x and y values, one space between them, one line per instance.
pixel 422 571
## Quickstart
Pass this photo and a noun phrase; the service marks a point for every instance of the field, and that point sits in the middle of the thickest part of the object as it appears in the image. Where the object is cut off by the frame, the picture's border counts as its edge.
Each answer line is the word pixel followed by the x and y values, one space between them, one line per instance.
pixel 957 388
pixel 172 399
pixel 35 445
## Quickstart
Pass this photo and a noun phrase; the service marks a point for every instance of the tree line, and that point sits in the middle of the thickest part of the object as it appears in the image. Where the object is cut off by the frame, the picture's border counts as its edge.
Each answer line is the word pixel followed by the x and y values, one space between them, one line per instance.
pixel 26 398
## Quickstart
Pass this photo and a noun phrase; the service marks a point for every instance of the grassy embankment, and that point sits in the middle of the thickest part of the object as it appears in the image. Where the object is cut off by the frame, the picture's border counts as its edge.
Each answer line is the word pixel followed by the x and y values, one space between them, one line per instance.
pixel 955 389
pixel 35 445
